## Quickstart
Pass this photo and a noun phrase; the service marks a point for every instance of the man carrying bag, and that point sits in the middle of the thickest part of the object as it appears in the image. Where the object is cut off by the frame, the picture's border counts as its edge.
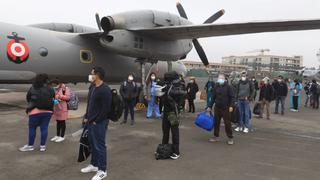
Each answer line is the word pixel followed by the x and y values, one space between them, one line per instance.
pixel 223 98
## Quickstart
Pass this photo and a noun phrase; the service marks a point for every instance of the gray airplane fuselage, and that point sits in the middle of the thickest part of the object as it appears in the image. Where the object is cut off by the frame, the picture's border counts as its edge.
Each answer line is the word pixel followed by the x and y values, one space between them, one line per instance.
pixel 60 51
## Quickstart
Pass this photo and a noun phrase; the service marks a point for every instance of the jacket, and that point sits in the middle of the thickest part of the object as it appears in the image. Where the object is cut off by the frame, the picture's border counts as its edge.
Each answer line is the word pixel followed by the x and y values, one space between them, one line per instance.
pixel 40 98
pixel 245 90
pixel 281 89
pixel 192 89
pixel 60 111
pixel 266 92
pixel 223 96
pixel 129 90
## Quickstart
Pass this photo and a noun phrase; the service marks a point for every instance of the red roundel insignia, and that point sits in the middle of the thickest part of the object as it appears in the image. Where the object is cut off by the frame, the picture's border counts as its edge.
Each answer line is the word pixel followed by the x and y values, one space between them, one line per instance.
pixel 17 49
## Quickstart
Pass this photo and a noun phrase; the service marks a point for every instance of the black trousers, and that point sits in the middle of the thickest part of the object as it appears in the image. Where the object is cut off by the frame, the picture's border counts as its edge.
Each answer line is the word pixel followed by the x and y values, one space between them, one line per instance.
pixel 222 113
pixel 295 102
pixel 61 128
pixel 166 127
pixel 191 105
pixel 315 98
pixel 129 106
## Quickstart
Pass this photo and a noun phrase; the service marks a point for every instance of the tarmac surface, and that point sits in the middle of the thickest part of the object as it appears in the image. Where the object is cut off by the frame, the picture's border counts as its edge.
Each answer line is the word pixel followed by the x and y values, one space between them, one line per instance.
pixel 285 147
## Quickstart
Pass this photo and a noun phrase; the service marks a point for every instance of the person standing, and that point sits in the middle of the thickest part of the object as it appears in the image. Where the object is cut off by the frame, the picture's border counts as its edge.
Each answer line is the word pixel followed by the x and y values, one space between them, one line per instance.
pixel 314 90
pixel 62 95
pixel 153 104
pixel 308 93
pixel 244 94
pixel 266 96
pixel 223 98
pixel 129 93
pixel 281 91
pixel 295 88
pixel 171 99
pixel 192 89
pixel 96 120
pixel 256 87
pixel 40 98
pixel 208 88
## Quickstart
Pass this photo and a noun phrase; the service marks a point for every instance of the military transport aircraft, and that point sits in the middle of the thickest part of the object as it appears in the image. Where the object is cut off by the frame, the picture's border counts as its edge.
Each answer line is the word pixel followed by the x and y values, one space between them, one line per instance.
pixel 125 42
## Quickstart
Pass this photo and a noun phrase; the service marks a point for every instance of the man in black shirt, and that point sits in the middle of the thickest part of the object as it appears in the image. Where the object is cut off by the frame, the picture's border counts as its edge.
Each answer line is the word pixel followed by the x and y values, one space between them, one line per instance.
pixel 96 118
pixel 223 98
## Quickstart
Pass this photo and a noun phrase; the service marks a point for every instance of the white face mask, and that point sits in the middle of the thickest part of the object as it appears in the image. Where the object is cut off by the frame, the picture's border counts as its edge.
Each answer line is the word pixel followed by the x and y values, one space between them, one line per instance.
pixel 130 78
pixel 91 78
pixel 243 78
pixel 153 77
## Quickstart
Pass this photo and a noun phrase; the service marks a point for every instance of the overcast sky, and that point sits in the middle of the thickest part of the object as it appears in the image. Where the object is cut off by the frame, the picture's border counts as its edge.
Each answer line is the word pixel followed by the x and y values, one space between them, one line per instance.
pixel 82 12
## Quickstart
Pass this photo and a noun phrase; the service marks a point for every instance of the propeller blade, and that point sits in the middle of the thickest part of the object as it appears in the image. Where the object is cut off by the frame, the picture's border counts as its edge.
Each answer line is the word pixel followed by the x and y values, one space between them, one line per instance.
pixel 98 21
pixel 200 52
pixel 181 10
pixel 215 17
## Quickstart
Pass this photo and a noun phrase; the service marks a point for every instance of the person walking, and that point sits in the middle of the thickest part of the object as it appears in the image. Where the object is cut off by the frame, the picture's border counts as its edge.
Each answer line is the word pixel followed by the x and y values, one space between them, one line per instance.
pixel 192 89
pixel 129 93
pixel 60 113
pixel 96 120
pixel 223 98
pixel 40 98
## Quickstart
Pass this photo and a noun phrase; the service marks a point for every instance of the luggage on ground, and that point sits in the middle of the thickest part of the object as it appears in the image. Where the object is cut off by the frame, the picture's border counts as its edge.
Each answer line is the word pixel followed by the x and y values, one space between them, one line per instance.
pixel 257 109
pixel 164 151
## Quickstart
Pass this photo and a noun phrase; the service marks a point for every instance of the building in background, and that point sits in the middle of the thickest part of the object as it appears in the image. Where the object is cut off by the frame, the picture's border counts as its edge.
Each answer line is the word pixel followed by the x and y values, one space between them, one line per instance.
pixel 215 67
pixel 267 63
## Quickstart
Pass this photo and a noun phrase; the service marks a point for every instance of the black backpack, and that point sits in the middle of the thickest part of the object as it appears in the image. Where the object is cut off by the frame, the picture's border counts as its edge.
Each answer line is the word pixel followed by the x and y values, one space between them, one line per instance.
pixel 116 106
pixel 164 151
pixel 41 98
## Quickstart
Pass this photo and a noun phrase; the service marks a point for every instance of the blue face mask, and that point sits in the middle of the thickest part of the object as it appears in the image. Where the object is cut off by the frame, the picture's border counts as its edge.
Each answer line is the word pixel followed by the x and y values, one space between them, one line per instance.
pixel 221 81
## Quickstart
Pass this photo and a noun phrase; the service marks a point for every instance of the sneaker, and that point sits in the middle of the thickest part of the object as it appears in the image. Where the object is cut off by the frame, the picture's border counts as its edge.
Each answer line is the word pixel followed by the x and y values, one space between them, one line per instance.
pixel 175 156
pixel 26 148
pixel 43 148
pixel 54 138
pixel 246 130
pixel 100 175
pixel 230 141
pixel 132 123
pixel 214 139
pixel 60 139
pixel 89 168
pixel 238 129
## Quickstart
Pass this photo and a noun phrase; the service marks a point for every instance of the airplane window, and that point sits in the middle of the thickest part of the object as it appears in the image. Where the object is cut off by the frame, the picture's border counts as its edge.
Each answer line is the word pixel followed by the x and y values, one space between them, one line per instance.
pixel 86 56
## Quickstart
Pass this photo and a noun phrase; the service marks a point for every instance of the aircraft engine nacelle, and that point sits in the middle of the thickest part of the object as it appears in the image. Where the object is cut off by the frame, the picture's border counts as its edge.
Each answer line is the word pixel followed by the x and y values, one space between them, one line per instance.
pixel 134 45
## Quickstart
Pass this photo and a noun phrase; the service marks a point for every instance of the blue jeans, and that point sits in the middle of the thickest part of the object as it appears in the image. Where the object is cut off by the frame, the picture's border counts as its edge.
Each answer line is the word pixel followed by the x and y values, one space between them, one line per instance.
pixel 244 111
pixel 97 140
pixel 153 106
pixel 281 100
pixel 41 120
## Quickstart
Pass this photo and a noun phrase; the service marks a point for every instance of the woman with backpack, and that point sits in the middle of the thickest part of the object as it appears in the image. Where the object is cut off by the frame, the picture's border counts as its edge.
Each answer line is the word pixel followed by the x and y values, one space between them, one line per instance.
pixel 40 99
pixel 60 113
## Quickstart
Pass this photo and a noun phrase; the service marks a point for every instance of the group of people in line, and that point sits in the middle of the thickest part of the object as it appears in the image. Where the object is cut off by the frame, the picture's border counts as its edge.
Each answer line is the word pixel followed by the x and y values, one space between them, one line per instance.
pixel 167 97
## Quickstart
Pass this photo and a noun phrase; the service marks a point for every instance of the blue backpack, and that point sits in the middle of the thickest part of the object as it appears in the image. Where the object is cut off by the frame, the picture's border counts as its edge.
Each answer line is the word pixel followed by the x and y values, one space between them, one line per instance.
pixel 205 121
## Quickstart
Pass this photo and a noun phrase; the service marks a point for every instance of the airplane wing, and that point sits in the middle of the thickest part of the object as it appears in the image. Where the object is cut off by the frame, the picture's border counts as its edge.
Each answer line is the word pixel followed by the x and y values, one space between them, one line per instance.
pixel 211 30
